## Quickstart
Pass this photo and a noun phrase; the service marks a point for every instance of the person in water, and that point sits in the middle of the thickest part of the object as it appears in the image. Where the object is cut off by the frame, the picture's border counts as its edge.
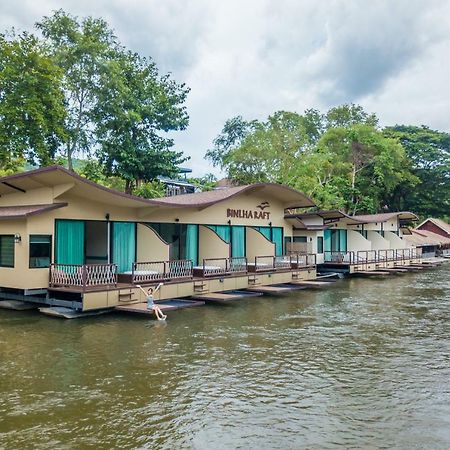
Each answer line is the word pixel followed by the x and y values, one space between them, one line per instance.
pixel 151 303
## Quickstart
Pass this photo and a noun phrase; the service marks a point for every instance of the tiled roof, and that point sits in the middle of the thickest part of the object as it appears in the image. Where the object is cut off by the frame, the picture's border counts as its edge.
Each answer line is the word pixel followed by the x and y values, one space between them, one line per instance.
pixel 438 222
pixel 290 196
pixel 383 217
pixel 425 237
pixel 20 212
pixel 57 175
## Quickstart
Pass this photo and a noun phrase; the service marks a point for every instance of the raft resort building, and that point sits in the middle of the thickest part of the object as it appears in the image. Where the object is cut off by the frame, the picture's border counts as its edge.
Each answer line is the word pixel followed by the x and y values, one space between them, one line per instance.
pixel 67 241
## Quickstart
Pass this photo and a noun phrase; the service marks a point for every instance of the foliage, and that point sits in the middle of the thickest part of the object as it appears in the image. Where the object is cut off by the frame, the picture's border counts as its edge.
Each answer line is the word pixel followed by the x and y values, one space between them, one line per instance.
pixel 429 155
pixel 80 49
pixel 135 104
pixel 151 189
pixel 77 92
pixel 206 183
pixel 341 158
pixel 32 109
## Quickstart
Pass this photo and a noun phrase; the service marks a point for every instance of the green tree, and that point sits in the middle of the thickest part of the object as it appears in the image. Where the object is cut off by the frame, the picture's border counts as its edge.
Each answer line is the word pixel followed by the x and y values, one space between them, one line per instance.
pixel 341 159
pixel 366 166
pixel 81 49
pixel 32 109
pixel 206 183
pixel 429 155
pixel 347 115
pixel 136 109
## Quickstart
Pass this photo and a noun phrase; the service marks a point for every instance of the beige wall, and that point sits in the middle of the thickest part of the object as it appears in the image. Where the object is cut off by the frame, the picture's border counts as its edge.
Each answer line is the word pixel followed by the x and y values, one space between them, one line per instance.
pixel 211 246
pixel 356 242
pixel 394 241
pixel 217 214
pixel 258 245
pixel 378 242
pixel 389 225
pixel 150 247
pixel 86 208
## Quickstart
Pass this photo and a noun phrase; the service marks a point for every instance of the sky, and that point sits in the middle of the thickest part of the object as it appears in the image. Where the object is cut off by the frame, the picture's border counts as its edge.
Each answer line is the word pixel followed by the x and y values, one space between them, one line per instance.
pixel 255 57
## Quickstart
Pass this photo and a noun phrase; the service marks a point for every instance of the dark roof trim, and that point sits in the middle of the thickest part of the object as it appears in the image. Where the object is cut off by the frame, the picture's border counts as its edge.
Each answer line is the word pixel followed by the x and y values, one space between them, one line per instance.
pixel 162 201
pixel 48 169
pixel 13 187
pixel 22 215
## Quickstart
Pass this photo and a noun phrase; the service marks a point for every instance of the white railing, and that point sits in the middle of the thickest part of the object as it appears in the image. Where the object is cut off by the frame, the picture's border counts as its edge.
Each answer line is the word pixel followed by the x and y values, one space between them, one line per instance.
pixel 161 270
pixel 85 275
pixel 299 260
pixel 263 263
pixel 222 266
pixel 340 257
pixel 180 268
pixel 237 264
pixel 282 262
pixel 149 271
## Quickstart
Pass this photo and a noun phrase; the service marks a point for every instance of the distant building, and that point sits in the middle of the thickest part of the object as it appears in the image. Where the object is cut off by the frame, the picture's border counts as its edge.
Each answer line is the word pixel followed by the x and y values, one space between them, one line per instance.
pixel 179 185
pixel 436 226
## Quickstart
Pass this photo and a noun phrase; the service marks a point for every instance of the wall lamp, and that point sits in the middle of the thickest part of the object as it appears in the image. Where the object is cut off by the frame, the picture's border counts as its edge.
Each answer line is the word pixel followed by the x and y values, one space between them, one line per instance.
pixel 229 222
pixel 17 238
pixel 107 216
pixel 177 219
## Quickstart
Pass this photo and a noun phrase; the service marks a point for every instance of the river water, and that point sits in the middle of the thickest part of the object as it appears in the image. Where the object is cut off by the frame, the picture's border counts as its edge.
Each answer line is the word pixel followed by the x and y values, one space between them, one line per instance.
pixel 363 363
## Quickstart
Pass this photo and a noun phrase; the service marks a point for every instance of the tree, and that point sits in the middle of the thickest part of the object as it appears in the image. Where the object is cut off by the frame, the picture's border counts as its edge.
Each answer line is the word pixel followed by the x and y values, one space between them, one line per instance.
pixel 367 166
pixel 347 115
pixel 341 159
pixel 81 49
pixel 252 152
pixel 429 155
pixel 206 183
pixel 32 109
pixel 231 137
pixel 135 105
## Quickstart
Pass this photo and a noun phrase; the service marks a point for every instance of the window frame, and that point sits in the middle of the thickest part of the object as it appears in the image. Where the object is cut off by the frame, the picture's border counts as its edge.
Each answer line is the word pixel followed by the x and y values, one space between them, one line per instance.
pixel 321 240
pixel 12 236
pixel 29 251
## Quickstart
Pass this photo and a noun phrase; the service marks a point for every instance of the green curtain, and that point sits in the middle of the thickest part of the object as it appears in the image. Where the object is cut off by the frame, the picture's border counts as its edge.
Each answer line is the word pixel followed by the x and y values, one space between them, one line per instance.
pixel 124 245
pixel 192 243
pixel 223 231
pixel 237 241
pixel 69 242
pixel 342 240
pixel 277 239
pixel 327 240
pixel 265 231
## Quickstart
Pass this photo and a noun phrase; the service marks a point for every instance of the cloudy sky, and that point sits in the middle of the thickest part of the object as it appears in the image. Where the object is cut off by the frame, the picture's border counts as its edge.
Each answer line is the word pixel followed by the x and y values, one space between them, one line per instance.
pixel 254 57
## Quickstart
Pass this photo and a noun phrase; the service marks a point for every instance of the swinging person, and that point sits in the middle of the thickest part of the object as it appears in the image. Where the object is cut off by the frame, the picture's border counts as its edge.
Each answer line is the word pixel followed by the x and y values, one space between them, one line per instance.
pixel 150 302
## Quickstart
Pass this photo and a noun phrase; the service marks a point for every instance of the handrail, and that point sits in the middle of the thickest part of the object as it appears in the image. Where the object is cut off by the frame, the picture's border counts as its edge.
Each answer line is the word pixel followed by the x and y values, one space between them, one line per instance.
pixel 161 270
pixel 299 259
pixel 263 263
pixel 339 257
pixel 224 266
pixel 82 275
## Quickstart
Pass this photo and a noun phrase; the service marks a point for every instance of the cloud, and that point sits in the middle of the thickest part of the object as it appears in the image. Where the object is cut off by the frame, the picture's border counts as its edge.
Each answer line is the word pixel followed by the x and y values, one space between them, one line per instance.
pixel 255 57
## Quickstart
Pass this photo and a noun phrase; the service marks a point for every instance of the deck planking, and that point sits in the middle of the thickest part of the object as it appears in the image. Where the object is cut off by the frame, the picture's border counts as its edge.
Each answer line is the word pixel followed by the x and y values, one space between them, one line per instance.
pixel 224 297
pixel 164 306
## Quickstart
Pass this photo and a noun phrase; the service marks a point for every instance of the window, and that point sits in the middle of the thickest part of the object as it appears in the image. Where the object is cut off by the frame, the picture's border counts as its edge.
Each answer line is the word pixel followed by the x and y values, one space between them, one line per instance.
pixel 300 239
pixel 40 250
pixel 319 244
pixel 6 250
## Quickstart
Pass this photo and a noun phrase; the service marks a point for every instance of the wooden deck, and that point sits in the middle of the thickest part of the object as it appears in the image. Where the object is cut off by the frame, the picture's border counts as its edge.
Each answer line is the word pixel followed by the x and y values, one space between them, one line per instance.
pixel 276 289
pixel 164 305
pixel 225 297
pixel 313 283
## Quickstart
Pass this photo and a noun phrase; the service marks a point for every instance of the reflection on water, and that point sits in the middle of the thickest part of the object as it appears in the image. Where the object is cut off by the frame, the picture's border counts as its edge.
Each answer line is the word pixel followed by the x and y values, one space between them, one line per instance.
pixel 364 363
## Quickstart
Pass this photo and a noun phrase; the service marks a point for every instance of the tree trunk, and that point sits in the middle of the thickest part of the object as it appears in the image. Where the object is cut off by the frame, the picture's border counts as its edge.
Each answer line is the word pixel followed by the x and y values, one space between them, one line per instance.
pixel 128 187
